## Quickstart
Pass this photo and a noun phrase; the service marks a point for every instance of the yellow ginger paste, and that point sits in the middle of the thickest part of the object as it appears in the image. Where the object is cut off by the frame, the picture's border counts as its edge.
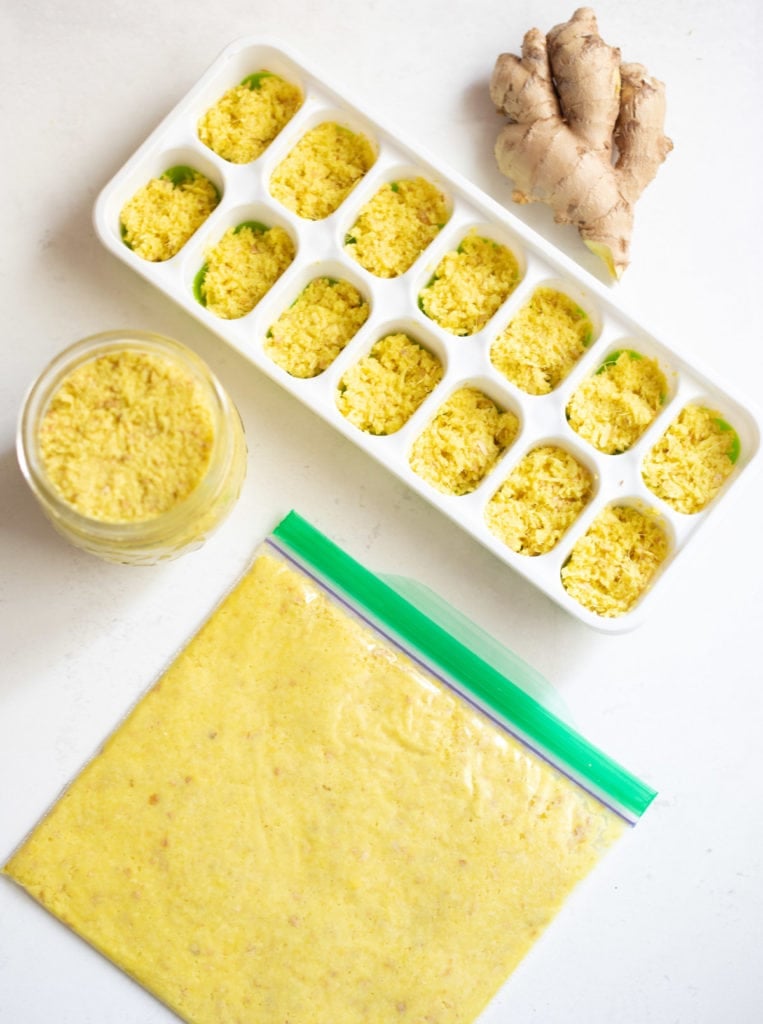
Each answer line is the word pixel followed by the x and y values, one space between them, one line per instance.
pixel 309 335
pixel 321 170
pixel 396 225
pixel 539 501
pixel 242 267
pixel 243 122
pixel 297 823
pixel 613 563
pixel 691 461
pixel 467 436
pixel 382 391
pixel 542 342
pixel 126 437
pixel 469 285
pixel 161 216
pixel 613 408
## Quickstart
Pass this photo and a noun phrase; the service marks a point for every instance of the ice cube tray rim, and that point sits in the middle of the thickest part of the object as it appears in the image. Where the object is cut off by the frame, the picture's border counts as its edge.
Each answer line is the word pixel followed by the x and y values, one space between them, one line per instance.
pixel 466 202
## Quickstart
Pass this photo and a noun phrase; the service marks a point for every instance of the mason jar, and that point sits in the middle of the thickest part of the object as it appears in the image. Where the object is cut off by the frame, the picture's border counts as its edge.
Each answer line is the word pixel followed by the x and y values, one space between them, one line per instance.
pixel 80 440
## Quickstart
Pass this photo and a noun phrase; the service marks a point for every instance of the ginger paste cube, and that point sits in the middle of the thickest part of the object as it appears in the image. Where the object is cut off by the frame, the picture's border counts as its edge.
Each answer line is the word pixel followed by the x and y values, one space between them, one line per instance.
pixel 692 460
pixel 612 565
pixel 321 170
pixel 469 285
pixel 163 214
pixel 246 119
pixel 381 392
pixel 462 444
pixel 309 335
pixel 542 342
pixel 242 268
pixel 539 501
pixel 396 225
pixel 613 408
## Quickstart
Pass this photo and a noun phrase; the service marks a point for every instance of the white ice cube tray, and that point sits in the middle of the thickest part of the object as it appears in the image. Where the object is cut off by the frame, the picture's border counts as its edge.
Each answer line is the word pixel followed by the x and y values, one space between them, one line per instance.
pixel 394 307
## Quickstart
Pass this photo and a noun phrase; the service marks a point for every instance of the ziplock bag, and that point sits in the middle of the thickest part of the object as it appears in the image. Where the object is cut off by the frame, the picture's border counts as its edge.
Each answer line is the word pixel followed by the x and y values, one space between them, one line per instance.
pixel 328 808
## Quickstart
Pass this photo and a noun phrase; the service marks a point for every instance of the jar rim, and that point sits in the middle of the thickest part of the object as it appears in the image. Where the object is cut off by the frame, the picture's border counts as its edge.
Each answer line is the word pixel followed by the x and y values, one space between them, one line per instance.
pixel 42 389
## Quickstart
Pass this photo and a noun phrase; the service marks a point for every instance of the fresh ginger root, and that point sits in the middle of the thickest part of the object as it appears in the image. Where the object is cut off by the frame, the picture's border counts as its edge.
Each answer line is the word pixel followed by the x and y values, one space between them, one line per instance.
pixel 585 132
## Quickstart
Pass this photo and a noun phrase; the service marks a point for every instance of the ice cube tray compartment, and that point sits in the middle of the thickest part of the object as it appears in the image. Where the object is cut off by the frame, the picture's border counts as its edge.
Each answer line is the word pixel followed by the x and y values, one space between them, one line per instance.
pixel 394 307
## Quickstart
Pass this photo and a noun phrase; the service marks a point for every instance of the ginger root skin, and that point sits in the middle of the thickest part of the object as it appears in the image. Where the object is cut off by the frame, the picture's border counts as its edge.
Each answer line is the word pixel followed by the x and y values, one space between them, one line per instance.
pixel 584 134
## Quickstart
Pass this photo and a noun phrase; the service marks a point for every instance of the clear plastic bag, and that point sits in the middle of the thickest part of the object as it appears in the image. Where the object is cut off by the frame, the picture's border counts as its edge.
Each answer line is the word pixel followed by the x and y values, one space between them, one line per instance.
pixel 328 808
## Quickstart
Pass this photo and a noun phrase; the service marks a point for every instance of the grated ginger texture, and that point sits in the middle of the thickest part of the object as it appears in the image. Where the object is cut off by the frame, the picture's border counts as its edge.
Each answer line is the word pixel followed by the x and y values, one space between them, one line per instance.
pixel 543 496
pixel 162 215
pixel 469 285
pixel 309 335
pixel 126 437
pixel 246 119
pixel 613 408
pixel 396 225
pixel 612 565
pixel 692 460
pixel 381 392
pixel 462 444
pixel 542 342
pixel 321 170
pixel 242 268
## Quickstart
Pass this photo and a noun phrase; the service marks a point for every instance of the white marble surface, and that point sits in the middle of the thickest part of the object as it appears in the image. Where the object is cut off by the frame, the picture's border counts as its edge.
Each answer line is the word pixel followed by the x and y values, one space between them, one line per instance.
pixel 667 930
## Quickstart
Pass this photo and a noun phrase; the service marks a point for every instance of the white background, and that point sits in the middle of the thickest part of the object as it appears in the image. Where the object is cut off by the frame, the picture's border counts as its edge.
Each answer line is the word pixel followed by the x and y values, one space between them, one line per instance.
pixel 668 928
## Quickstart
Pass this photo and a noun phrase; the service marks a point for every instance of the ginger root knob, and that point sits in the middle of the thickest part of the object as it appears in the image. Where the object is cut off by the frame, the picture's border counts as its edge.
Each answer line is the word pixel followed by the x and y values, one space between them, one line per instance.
pixel 584 133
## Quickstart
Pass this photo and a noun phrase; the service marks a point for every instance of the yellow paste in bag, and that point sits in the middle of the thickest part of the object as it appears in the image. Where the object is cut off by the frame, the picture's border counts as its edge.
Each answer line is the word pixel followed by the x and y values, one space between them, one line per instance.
pixel 297 823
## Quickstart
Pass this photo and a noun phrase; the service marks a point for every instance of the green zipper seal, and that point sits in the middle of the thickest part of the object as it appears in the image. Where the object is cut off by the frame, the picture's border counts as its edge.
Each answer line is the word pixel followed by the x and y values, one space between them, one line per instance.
pixel 480 679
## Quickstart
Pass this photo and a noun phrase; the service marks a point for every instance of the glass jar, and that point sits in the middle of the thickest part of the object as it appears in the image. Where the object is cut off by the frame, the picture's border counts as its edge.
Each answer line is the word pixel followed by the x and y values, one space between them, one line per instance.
pixel 182 526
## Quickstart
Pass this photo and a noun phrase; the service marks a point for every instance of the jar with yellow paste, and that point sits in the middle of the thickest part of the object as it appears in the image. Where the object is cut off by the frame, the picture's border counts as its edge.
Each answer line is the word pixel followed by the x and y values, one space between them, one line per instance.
pixel 133 448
